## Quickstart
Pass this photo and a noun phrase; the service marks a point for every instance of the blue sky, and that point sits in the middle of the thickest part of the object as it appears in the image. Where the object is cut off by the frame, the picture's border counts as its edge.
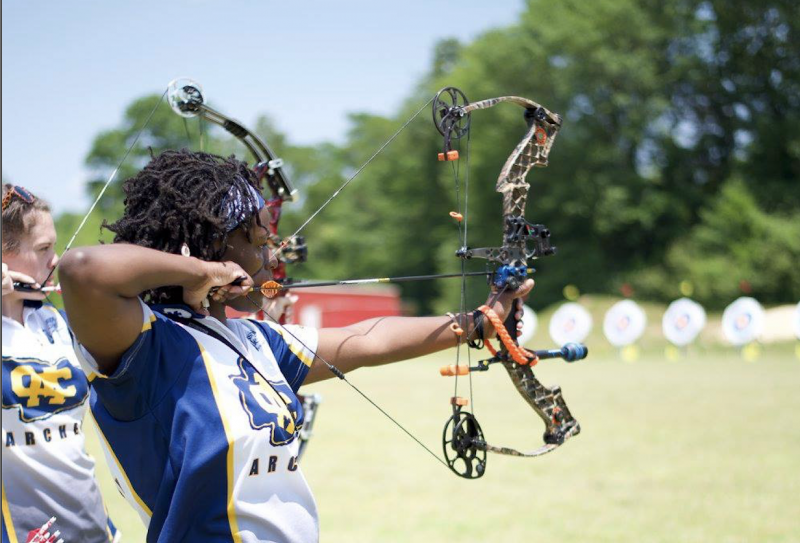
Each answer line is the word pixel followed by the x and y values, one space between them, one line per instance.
pixel 70 68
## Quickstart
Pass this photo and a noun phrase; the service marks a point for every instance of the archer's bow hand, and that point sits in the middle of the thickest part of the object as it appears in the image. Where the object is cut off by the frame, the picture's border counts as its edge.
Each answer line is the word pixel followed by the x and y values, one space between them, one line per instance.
pixel 501 304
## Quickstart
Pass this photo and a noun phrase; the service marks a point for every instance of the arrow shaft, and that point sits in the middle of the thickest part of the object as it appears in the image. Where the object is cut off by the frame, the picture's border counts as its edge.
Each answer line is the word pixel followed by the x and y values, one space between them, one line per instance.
pixel 376 280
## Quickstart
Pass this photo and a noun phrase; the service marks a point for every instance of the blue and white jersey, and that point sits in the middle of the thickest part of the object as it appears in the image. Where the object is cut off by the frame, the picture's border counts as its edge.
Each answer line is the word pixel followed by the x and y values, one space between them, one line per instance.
pixel 202 438
pixel 46 471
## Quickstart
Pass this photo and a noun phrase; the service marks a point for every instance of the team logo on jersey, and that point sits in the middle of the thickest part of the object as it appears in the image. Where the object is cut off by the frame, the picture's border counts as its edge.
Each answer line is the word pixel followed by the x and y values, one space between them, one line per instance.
pixel 268 404
pixel 39 389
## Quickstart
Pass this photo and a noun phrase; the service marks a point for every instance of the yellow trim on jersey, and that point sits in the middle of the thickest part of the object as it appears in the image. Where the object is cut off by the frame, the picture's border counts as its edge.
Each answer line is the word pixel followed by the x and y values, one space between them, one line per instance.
pixel 121 470
pixel 94 375
pixel 297 350
pixel 12 535
pixel 148 324
pixel 231 507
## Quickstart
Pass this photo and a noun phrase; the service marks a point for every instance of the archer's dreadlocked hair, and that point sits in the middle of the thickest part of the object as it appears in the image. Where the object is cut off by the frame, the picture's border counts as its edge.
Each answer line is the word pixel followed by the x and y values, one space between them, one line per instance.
pixel 177 199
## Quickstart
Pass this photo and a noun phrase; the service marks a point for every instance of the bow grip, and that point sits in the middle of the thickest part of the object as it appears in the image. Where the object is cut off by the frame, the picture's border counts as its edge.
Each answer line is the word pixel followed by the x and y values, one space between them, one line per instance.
pixel 512 321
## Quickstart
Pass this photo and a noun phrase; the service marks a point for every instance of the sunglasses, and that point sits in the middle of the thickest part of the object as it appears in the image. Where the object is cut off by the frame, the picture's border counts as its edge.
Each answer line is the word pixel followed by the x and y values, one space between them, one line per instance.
pixel 20 192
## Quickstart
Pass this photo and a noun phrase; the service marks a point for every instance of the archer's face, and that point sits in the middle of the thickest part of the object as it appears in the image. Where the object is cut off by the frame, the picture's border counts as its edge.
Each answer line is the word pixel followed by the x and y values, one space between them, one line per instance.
pixel 253 255
pixel 36 254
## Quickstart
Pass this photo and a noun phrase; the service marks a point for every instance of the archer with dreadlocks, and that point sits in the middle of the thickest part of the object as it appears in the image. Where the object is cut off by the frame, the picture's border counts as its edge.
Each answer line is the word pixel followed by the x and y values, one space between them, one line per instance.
pixel 199 412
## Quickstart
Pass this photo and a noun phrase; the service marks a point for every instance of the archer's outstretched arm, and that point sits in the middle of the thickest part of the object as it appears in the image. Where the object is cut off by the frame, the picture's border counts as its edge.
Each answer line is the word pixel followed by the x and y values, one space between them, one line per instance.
pixel 385 340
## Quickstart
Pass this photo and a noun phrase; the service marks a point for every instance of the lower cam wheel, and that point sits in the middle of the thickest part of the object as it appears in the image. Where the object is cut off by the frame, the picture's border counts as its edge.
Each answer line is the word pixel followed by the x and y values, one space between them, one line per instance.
pixel 459 441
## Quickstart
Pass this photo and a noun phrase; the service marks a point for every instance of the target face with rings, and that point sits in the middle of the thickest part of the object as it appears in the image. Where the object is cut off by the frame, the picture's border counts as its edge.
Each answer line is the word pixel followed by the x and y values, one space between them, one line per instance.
pixel 624 323
pixel 683 321
pixel 571 323
pixel 743 321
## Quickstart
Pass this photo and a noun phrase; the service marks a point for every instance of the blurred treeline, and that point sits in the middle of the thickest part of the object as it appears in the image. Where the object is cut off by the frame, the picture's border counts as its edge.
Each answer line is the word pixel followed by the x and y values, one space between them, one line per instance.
pixel 678 161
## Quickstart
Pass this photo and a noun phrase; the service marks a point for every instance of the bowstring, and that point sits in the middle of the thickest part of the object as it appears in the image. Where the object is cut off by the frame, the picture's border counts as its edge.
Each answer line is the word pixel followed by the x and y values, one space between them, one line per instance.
pixel 333 369
pixel 338 373
pixel 461 231
pixel 108 182
pixel 336 193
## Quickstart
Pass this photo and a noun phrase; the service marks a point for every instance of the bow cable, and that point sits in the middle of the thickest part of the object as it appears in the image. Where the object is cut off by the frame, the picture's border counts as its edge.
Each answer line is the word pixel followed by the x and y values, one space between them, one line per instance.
pixel 340 374
pixel 336 193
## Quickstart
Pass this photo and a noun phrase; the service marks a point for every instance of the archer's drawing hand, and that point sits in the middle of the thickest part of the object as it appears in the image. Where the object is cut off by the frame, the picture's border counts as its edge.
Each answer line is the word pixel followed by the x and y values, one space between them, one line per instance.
pixel 9 277
pixel 229 278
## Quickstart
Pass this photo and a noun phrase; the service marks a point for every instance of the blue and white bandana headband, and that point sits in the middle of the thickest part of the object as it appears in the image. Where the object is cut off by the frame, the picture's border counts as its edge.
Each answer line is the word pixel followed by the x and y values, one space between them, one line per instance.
pixel 237 205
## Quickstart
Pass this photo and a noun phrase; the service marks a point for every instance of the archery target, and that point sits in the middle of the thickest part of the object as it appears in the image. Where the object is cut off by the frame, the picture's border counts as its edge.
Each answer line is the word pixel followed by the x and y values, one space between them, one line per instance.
pixel 743 321
pixel 529 325
pixel 683 320
pixel 571 323
pixel 797 321
pixel 624 323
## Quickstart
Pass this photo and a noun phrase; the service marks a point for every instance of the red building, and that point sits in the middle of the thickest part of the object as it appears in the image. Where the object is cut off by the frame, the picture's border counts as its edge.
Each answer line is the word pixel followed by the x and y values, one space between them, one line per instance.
pixel 326 307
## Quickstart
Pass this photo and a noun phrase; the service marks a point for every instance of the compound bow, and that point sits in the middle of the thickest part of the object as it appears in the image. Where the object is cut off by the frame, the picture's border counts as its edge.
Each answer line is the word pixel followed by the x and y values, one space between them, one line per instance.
pixel 463 441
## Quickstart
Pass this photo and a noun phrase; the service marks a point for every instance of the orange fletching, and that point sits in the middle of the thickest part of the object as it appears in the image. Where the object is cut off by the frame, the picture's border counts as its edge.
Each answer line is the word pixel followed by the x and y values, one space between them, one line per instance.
pixel 270 289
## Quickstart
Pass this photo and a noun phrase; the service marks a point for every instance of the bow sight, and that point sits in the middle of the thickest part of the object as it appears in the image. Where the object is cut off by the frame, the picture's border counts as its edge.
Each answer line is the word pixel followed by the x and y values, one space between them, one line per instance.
pixel 521 241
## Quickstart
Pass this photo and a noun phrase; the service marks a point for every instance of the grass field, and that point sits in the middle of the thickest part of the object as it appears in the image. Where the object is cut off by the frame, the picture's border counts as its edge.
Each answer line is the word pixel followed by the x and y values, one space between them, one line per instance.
pixel 706 448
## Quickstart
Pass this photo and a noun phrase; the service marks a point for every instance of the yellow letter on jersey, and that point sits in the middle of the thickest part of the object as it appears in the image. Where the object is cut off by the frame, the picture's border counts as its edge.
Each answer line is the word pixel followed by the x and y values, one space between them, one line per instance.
pixel 42 385
pixel 273 402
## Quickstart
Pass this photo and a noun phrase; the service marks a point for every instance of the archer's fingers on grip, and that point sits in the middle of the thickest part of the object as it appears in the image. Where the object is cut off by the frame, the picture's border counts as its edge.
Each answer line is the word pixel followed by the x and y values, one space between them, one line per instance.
pixel 524 289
